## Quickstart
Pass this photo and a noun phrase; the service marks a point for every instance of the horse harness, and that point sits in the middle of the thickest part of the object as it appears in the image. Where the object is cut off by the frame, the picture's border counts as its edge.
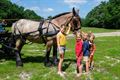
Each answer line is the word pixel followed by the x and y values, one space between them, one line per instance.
pixel 40 29
pixel 44 36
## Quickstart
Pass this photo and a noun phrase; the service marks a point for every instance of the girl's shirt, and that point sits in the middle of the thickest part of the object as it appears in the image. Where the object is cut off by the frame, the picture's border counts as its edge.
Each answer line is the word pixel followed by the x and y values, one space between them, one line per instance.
pixel 78 46
pixel 92 48
pixel 62 39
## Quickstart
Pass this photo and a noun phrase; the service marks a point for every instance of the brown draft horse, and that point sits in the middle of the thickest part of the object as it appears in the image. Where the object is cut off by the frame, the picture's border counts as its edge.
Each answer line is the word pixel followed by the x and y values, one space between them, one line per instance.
pixel 43 32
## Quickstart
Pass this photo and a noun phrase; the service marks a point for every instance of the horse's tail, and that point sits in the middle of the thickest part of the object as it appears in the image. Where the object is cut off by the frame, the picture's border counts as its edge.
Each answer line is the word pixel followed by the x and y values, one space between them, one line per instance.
pixel 14 25
pixel 16 31
pixel 13 34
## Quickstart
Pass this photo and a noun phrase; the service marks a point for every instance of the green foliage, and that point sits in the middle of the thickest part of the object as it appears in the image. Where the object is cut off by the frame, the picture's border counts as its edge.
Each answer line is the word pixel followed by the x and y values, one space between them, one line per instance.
pixel 105 15
pixel 8 10
pixel 49 17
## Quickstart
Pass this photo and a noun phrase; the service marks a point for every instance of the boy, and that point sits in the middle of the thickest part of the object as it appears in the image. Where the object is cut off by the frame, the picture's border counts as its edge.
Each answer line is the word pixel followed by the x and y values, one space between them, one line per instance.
pixel 86 52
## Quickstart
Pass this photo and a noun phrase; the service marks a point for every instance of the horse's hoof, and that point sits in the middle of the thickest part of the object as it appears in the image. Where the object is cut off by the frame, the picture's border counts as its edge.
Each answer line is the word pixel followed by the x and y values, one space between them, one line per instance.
pixel 19 64
pixel 47 64
pixel 55 63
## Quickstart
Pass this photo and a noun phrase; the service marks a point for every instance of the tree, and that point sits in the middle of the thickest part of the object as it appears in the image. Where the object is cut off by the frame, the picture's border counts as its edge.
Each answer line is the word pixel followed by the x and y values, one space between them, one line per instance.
pixel 105 15
pixel 8 10
pixel 49 17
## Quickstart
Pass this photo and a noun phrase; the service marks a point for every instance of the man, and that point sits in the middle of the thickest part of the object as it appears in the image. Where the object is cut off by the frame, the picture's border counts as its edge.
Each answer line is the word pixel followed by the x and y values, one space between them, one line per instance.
pixel 2 29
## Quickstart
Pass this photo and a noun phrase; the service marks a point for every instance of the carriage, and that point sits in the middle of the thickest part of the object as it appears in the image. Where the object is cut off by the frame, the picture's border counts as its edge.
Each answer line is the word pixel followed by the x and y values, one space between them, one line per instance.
pixel 6 40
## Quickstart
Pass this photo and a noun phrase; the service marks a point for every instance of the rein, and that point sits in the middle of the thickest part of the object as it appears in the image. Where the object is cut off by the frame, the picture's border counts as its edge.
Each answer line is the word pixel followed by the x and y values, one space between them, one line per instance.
pixel 66 23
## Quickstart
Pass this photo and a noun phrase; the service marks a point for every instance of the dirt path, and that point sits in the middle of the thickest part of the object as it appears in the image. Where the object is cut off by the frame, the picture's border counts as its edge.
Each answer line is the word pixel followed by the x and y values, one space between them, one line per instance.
pixel 117 33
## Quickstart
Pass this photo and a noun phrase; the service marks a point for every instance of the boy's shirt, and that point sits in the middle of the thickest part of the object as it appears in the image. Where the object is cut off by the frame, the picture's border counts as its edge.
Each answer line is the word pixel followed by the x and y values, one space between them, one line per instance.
pixel 86 48
pixel 62 39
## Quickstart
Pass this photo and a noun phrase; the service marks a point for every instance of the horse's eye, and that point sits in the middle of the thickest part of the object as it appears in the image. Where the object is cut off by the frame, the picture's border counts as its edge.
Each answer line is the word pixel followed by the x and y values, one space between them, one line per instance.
pixel 67 25
pixel 75 22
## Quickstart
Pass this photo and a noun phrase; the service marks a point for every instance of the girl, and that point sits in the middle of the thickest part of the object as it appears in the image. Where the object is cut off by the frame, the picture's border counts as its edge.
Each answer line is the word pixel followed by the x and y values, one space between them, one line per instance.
pixel 61 44
pixel 79 53
pixel 92 50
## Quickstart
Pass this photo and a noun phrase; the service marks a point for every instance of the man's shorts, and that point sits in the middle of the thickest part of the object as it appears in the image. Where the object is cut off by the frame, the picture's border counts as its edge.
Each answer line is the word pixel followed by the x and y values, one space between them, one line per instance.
pixel 85 58
pixel 61 49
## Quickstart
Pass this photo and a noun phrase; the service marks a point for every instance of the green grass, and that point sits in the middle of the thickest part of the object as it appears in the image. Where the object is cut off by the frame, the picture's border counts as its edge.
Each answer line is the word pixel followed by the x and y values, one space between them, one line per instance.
pixel 8 28
pixel 107 58
pixel 97 30
pixel 107 62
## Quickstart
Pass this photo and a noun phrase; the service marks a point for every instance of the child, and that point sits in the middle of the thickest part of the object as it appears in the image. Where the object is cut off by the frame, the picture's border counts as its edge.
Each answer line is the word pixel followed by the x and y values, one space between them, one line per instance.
pixel 86 51
pixel 61 43
pixel 79 52
pixel 92 50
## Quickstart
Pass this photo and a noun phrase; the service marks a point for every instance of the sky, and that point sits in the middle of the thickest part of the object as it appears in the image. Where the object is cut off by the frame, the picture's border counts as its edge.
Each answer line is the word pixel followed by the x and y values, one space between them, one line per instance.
pixel 47 8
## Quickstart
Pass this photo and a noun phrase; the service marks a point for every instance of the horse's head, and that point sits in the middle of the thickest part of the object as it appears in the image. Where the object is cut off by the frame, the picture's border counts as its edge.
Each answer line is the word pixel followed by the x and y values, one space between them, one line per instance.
pixel 75 21
pixel 68 20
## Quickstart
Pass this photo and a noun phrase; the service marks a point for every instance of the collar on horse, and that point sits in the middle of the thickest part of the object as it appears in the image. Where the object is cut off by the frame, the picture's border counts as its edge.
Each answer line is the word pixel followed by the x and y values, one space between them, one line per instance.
pixel 43 36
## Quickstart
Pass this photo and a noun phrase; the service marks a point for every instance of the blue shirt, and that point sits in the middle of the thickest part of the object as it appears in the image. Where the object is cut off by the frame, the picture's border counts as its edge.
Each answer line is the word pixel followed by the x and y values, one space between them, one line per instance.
pixel 2 29
pixel 86 48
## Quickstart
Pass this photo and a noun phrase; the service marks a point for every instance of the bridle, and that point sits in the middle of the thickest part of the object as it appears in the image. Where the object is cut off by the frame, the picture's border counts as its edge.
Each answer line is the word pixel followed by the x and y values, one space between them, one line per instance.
pixel 68 22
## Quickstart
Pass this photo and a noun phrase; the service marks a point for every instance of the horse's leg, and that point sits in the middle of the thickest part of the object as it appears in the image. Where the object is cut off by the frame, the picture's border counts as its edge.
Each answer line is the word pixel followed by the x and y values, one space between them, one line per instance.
pixel 55 60
pixel 48 49
pixel 18 48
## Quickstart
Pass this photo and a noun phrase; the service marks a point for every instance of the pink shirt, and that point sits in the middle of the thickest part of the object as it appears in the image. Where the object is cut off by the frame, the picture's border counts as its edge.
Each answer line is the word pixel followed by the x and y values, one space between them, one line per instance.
pixel 78 47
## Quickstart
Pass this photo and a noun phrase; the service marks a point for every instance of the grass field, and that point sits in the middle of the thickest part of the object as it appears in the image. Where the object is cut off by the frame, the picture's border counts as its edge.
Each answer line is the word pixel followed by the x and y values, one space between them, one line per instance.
pixel 107 63
pixel 97 30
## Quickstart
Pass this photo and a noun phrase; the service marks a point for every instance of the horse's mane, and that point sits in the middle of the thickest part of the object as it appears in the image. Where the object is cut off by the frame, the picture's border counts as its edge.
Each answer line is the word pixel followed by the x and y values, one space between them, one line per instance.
pixel 60 15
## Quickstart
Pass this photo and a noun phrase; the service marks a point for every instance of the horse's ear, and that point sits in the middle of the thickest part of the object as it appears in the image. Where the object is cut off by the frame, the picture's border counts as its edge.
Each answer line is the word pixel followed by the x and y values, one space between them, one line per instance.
pixel 73 11
pixel 77 11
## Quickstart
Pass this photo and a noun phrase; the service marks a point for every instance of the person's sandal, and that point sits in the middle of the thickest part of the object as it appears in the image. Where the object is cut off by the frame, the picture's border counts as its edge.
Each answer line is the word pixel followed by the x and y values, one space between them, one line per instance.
pixel 61 74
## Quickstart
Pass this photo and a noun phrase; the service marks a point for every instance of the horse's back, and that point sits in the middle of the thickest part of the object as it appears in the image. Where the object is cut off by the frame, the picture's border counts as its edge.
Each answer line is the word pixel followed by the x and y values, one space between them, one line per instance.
pixel 28 28
pixel 24 26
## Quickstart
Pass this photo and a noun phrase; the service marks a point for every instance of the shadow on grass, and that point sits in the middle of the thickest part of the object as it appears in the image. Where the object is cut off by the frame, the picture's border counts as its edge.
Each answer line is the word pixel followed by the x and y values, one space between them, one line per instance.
pixel 33 59
pixel 67 63
pixel 26 59
pixel 6 56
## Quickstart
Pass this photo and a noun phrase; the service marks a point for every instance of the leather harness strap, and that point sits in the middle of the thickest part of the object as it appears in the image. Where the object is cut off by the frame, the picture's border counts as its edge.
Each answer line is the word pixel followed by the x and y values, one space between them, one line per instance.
pixel 40 29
